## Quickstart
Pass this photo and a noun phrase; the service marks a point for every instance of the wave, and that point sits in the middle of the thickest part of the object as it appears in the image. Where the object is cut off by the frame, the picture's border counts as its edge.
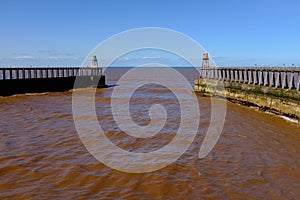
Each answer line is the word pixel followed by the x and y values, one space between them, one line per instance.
pixel 293 120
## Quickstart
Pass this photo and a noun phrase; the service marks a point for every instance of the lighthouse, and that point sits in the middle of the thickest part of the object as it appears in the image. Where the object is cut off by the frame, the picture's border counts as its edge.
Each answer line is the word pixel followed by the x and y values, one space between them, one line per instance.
pixel 205 61
pixel 94 61
pixel 95 64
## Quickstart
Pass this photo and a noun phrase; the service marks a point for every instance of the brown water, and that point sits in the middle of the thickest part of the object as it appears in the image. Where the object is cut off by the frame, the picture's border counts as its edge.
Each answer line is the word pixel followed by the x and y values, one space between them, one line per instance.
pixel 42 157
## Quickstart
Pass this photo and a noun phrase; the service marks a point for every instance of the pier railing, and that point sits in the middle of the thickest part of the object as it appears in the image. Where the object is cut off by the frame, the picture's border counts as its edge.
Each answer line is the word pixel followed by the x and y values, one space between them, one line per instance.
pixel 31 73
pixel 271 77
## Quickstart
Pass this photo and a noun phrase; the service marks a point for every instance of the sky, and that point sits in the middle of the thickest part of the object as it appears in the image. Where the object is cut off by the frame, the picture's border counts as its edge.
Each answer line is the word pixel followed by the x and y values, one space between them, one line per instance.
pixel 234 32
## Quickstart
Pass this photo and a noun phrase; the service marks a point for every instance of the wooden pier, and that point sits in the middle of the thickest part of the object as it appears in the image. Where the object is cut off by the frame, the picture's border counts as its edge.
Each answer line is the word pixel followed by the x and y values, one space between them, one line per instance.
pixel 36 80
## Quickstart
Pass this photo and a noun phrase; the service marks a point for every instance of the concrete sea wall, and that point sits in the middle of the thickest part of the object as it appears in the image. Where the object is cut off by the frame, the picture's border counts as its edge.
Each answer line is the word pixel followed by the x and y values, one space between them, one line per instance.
pixel 283 101
pixel 38 85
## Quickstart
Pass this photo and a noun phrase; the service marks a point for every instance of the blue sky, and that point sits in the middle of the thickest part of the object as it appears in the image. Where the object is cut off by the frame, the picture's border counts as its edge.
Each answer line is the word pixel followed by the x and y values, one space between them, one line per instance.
pixel 234 32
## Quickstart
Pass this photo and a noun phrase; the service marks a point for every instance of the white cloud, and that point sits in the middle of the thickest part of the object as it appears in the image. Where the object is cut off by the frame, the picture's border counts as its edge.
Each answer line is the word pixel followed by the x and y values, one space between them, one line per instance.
pixel 151 57
pixel 23 57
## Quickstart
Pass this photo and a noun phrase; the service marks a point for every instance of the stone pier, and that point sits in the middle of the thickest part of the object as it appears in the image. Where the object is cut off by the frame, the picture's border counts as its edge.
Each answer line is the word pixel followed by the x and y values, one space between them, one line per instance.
pixel 274 89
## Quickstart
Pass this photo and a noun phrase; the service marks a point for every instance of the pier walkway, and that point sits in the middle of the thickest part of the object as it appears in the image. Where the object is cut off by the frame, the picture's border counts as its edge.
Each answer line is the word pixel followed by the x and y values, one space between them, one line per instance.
pixel 30 73
pixel 37 80
pixel 271 77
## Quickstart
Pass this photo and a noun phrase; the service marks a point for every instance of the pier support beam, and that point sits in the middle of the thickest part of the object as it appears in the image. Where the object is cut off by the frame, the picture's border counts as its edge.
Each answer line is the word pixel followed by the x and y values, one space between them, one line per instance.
pixel 237 75
pixel 249 72
pixel 266 83
pixel 227 75
pixel 278 80
pixel 298 84
pixel 41 73
pixel 291 82
pixel 23 73
pixel 35 73
pixel 285 82
pixel 261 78
pixel 3 74
pixel 17 74
pixel 242 76
pixel 11 74
pixel 255 77
pixel 272 79
pixel 245 76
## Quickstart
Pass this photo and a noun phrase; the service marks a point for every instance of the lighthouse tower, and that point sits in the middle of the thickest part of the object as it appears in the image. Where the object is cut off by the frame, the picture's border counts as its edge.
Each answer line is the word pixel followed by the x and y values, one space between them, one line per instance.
pixel 94 61
pixel 205 61
pixel 95 64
